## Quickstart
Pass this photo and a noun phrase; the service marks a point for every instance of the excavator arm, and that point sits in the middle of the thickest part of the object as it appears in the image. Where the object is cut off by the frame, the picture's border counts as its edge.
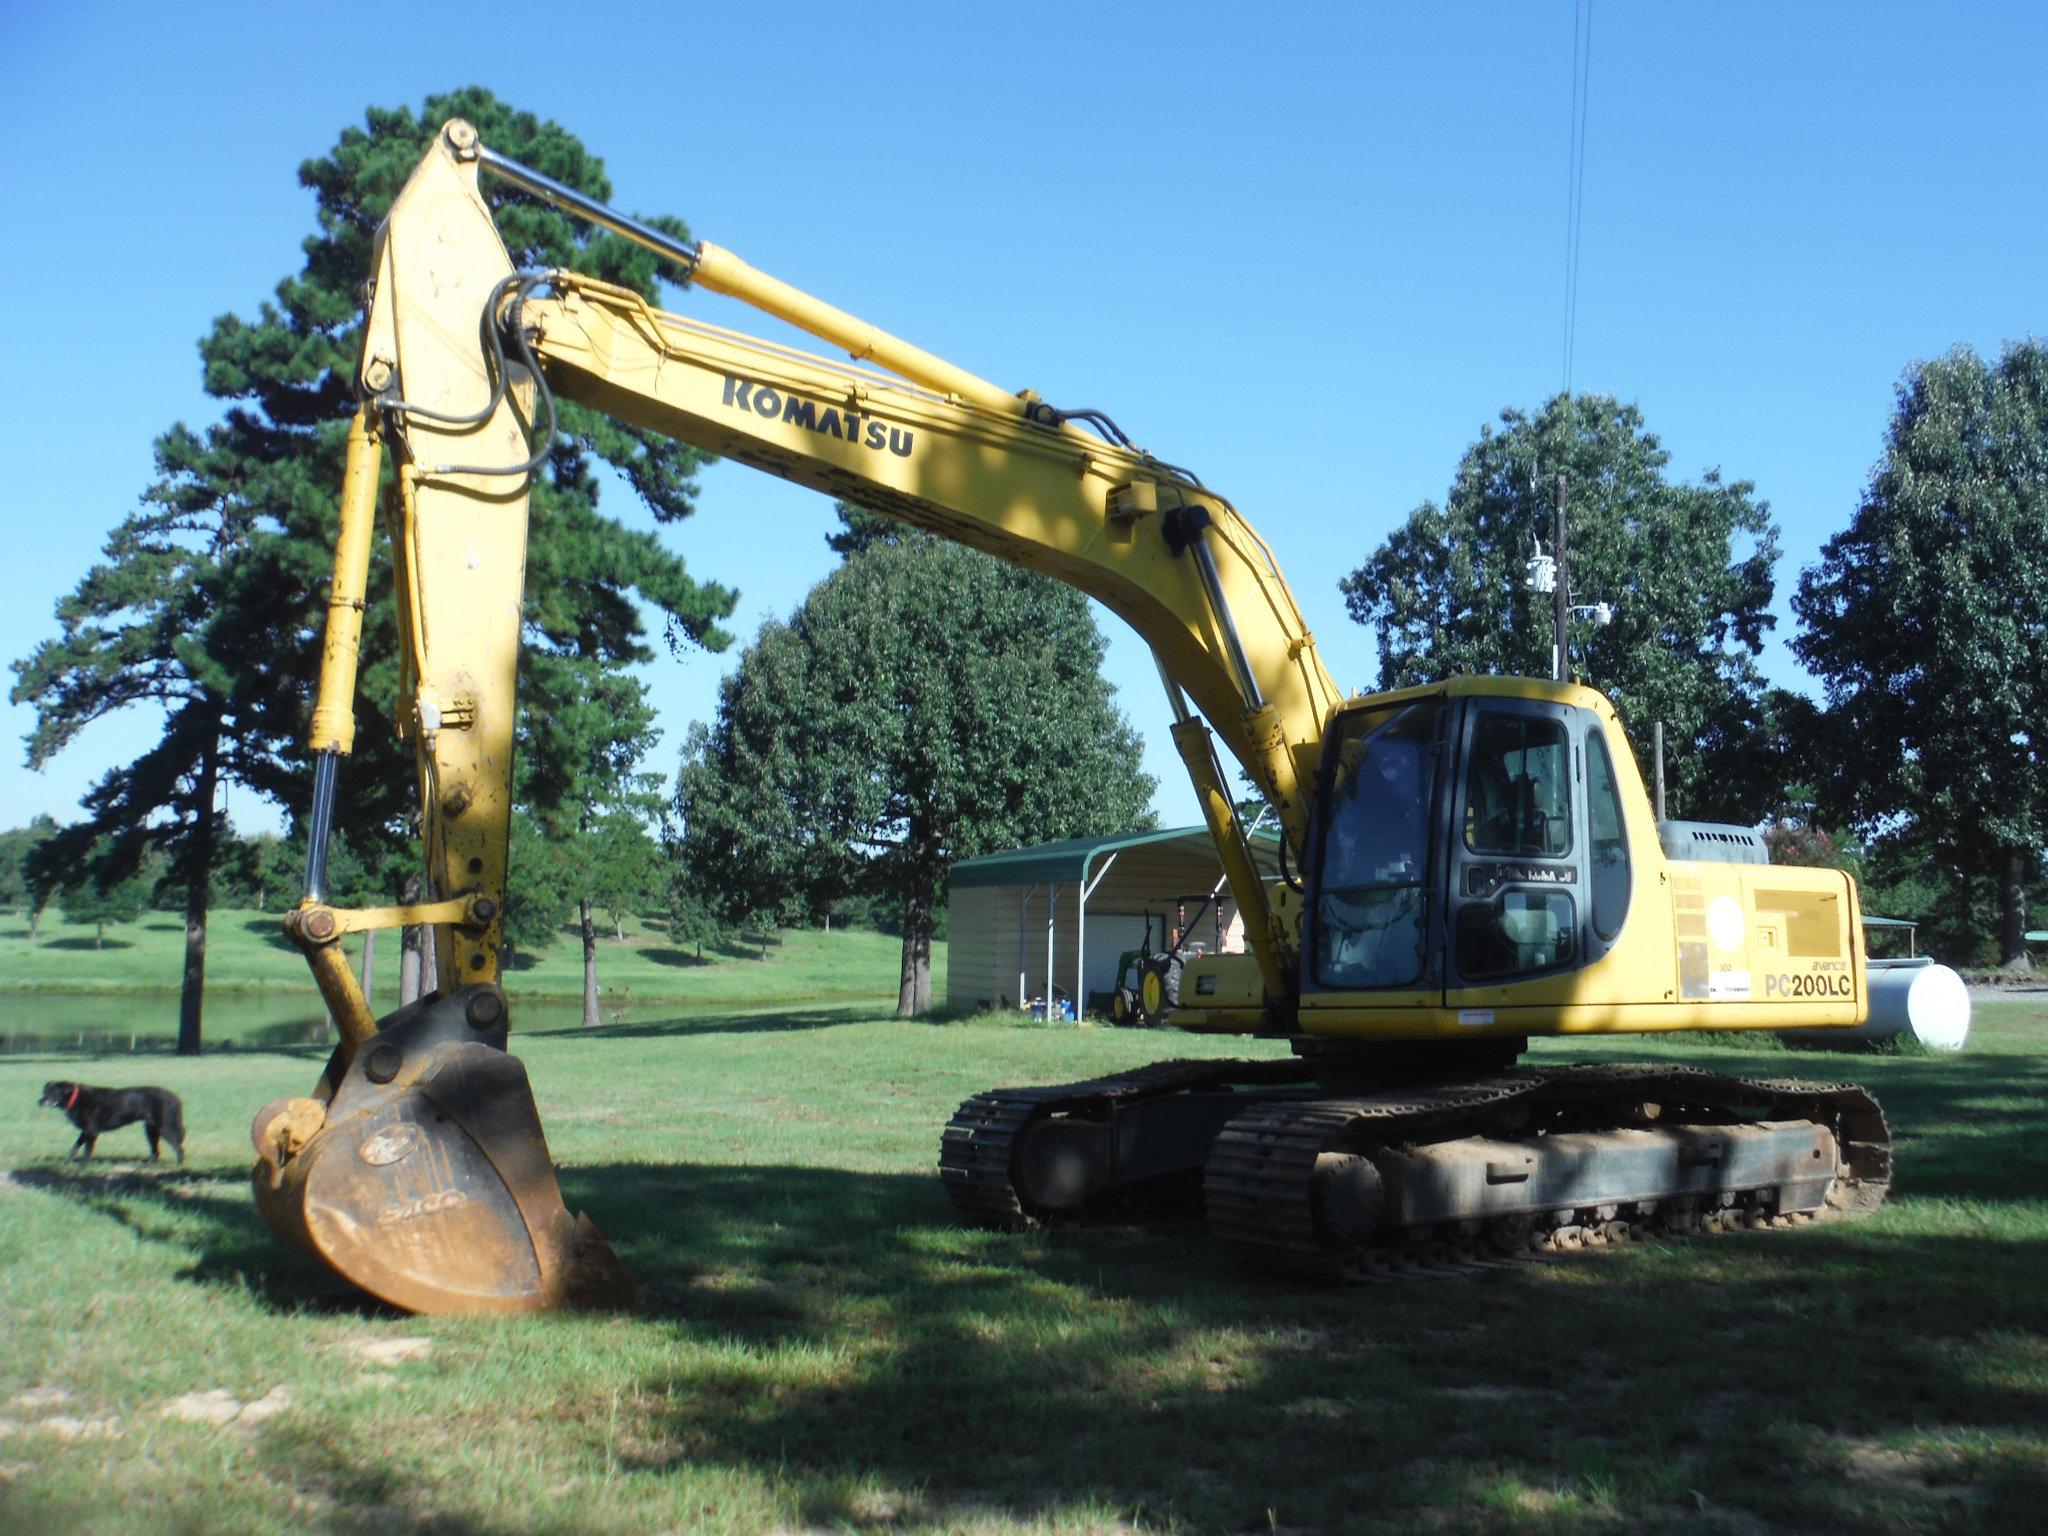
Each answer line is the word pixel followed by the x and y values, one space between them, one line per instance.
pixel 924 442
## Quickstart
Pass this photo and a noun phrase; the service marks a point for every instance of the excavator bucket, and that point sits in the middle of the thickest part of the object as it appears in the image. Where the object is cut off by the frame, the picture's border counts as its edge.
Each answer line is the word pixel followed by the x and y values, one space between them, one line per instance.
pixel 419 1172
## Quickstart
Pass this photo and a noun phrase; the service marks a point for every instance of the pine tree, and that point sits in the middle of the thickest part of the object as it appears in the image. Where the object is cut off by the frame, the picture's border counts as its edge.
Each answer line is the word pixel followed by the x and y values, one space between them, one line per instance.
pixel 212 592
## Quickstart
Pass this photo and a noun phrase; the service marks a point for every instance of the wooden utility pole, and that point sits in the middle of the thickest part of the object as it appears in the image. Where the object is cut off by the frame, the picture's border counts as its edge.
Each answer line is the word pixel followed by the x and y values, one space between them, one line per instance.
pixel 1562 598
pixel 1657 751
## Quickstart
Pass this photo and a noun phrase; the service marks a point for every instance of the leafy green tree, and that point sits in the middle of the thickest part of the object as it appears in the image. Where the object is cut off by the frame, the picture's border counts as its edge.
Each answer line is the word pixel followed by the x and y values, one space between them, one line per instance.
pixel 207 597
pixel 540 894
pixel 1686 570
pixel 17 846
pixel 626 867
pixel 103 889
pixel 264 872
pixel 693 917
pixel 861 529
pixel 925 703
pixel 1923 619
pixel 586 793
pixel 1910 872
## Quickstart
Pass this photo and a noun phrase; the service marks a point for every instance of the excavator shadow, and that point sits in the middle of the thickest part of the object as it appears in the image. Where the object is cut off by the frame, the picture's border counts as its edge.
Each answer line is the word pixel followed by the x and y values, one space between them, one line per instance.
pixel 207 1213
pixel 1138 1368
pixel 697 1236
pixel 829 1328
pixel 1976 1125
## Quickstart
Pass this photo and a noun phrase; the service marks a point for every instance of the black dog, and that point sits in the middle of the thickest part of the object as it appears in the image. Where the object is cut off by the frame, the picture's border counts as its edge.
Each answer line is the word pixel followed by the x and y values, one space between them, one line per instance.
pixel 95 1111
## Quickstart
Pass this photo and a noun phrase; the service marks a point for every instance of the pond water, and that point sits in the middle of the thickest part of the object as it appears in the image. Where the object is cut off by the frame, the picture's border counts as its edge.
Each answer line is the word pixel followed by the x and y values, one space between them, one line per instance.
pixel 148 1021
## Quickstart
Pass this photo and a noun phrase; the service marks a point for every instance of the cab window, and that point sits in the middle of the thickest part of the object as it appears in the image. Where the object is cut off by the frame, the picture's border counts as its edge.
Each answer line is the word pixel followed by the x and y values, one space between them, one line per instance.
pixel 1518 788
pixel 1517 933
pixel 1608 838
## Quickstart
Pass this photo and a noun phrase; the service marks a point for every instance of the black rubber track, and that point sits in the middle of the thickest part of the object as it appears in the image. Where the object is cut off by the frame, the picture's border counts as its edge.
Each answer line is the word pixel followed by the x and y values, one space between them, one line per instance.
pixel 1258 1187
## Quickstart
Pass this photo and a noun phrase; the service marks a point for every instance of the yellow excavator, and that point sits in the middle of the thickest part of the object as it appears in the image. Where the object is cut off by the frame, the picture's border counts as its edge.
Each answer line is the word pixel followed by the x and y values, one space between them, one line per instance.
pixel 1464 866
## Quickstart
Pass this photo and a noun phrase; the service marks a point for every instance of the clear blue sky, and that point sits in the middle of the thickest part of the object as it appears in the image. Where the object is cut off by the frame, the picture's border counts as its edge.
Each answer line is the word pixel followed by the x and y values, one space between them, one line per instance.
pixel 1307 252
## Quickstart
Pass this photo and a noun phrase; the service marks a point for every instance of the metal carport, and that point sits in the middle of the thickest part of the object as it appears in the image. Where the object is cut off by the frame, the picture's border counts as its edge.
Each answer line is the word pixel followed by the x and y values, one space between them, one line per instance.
pixel 1019 921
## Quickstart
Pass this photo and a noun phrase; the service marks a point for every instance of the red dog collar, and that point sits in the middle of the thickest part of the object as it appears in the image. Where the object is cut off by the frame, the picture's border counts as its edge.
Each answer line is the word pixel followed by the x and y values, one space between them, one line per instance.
pixel 76 1090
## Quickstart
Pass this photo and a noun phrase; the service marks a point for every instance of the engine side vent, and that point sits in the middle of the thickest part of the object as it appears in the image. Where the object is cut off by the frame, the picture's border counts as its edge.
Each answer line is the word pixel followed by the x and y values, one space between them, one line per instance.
pixel 1712 842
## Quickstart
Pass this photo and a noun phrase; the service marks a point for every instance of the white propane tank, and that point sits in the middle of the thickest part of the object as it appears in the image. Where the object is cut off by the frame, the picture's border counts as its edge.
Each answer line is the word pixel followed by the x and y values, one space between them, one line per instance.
pixel 1915 998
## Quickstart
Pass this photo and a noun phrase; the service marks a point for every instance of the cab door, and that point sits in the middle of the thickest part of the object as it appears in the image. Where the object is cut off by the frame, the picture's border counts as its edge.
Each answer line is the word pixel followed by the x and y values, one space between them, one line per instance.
pixel 1372 919
pixel 1516 890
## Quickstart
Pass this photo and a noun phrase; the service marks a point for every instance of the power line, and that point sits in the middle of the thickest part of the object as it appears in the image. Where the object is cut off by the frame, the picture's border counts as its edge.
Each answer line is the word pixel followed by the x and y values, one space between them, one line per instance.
pixel 1575 178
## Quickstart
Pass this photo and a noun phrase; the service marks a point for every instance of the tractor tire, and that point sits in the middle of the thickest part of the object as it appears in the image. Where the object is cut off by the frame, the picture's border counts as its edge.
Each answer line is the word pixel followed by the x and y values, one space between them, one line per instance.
pixel 1158 989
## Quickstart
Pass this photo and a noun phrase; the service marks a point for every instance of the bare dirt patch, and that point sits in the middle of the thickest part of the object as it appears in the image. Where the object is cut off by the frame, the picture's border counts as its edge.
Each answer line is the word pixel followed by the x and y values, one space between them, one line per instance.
pixel 220 1406
pixel 1490 1392
pixel 392 1351
pixel 65 1426
pixel 1904 1474
pixel 40 1400
pixel 35 1404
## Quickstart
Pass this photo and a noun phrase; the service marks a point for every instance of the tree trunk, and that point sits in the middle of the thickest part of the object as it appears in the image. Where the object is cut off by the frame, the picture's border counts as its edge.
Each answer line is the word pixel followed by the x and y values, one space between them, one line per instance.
pixel 590 1014
pixel 411 946
pixel 370 968
pixel 2012 912
pixel 198 898
pixel 619 925
pixel 914 986
pixel 99 936
pixel 409 967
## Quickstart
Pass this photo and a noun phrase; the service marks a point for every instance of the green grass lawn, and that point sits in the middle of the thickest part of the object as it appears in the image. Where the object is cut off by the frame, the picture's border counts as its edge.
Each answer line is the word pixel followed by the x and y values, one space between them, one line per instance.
pixel 247 953
pixel 818 1347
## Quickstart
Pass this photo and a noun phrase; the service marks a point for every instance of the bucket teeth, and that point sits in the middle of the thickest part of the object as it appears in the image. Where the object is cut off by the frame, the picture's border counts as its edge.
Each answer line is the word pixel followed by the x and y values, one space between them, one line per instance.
pixel 426 1180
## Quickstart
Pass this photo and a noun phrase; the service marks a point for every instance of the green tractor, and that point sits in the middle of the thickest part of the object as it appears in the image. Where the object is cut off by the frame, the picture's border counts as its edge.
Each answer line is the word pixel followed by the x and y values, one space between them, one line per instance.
pixel 1148 977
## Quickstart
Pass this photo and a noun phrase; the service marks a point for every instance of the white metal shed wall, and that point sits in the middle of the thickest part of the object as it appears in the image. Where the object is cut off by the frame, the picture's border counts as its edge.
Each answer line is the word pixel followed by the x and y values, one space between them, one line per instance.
pixel 996 932
pixel 972 964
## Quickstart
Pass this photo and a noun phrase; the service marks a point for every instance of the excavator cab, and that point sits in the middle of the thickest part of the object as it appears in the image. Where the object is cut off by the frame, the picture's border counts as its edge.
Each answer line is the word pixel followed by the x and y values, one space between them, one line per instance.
pixel 1457 847
pixel 1472 840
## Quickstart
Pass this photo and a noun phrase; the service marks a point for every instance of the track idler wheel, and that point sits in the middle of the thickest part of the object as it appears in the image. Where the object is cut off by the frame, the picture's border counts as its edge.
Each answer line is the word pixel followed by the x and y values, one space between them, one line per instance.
pixel 425 1178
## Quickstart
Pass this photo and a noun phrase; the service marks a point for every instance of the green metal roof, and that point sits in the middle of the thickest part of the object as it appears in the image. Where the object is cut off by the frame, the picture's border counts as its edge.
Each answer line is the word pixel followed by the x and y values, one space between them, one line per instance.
pixel 1071 860
pixel 1889 922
